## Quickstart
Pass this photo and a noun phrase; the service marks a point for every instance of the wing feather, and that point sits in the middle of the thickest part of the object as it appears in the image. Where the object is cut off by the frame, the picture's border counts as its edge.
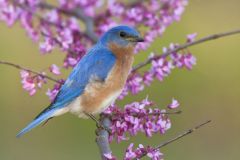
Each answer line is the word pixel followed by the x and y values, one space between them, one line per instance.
pixel 98 62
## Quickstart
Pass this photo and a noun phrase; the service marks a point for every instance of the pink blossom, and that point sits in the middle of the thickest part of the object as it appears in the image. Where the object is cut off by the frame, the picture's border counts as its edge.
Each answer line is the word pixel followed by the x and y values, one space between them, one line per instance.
pixel 115 8
pixel 109 156
pixel 24 74
pixel 55 69
pixel 151 152
pixel 183 60
pixel 40 79
pixel 27 23
pixel 28 82
pixel 163 124
pixel 174 104
pixel 106 26
pixel 137 117
pixel 161 68
pixel 51 93
pixel 29 86
pixel 8 13
pixel 72 61
pixel 46 46
pixel 189 61
pixel 134 14
pixel 124 93
pixel 52 16
pixel 191 37
pixel 73 24
pixel 130 154
pixel 134 84
pixel 148 78
pixel 154 154
pixel 65 37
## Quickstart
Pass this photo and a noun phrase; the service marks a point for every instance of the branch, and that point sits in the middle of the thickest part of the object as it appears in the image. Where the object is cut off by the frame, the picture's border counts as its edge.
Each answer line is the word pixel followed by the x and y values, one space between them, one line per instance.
pixel 102 137
pixel 188 132
pixel 182 135
pixel 76 12
pixel 29 70
pixel 183 46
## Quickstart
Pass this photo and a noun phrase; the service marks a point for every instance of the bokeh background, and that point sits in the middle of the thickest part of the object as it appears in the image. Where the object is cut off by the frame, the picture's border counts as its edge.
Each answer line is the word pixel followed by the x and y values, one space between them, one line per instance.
pixel 210 91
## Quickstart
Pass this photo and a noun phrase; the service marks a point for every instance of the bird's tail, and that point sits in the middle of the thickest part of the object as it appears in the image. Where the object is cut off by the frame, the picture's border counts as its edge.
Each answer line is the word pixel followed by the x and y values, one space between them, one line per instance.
pixel 38 120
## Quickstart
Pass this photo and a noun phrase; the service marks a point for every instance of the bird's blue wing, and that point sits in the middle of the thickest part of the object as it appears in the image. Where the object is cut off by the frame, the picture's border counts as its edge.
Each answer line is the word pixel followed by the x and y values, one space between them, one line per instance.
pixel 98 63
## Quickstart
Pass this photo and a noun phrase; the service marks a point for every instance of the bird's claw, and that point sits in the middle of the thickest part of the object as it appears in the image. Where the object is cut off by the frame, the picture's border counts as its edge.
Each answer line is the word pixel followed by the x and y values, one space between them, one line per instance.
pixel 102 127
pixel 98 123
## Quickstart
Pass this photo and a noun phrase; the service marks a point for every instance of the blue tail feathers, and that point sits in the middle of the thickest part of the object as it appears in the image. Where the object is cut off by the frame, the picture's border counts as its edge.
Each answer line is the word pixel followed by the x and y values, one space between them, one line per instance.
pixel 36 122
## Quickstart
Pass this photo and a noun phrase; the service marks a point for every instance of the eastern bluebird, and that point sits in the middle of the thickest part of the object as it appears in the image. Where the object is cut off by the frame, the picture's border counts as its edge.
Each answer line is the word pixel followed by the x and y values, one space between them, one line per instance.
pixel 97 79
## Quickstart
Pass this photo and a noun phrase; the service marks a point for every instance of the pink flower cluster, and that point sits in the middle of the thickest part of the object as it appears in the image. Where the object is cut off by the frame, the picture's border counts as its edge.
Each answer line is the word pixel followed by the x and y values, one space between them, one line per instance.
pixel 8 13
pixel 30 82
pixel 151 152
pixel 183 60
pixel 154 15
pixel 52 93
pixel 33 81
pixel 130 154
pixel 160 69
pixel 138 117
pixel 54 69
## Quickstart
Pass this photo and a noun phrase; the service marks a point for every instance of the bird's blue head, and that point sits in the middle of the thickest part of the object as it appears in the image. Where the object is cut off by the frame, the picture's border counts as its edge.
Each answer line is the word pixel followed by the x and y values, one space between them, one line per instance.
pixel 122 36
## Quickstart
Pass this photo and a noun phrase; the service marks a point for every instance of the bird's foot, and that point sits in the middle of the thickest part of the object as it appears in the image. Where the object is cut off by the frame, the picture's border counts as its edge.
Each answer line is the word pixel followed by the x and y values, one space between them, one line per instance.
pixel 98 123
pixel 100 126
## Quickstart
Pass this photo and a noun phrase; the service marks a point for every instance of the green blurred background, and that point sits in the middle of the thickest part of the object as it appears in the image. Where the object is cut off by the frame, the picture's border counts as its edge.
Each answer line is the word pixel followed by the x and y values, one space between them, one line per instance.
pixel 210 91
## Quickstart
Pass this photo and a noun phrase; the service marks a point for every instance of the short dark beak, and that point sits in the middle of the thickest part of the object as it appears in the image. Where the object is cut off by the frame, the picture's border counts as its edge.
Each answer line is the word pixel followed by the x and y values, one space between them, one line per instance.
pixel 139 39
pixel 135 39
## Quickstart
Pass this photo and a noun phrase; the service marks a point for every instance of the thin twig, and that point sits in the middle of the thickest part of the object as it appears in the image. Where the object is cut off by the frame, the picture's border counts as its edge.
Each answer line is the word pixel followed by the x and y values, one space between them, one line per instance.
pixel 174 112
pixel 186 45
pixel 29 70
pixel 187 132
pixel 182 135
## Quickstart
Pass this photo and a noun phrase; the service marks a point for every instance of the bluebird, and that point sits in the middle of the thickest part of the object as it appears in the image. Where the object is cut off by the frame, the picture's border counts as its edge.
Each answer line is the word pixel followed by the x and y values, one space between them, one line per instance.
pixel 97 80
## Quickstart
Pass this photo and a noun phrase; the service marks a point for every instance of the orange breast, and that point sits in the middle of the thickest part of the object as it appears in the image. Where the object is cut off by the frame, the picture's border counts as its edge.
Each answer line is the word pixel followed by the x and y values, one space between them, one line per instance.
pixel 98 95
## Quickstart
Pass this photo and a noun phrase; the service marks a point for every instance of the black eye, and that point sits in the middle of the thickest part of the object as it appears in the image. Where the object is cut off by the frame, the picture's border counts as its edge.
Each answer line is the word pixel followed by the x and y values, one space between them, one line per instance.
pixel 122 34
